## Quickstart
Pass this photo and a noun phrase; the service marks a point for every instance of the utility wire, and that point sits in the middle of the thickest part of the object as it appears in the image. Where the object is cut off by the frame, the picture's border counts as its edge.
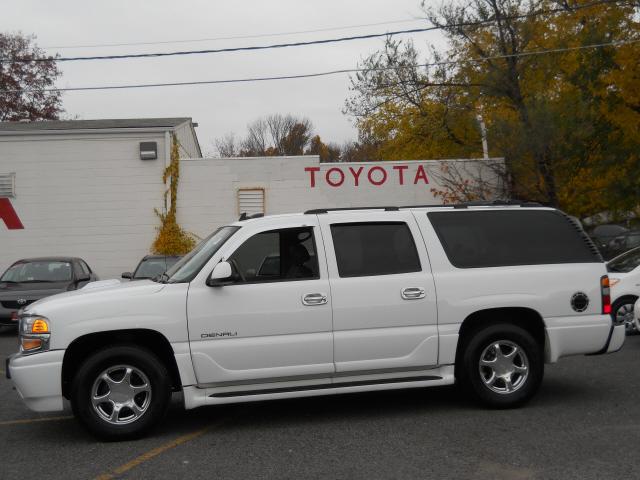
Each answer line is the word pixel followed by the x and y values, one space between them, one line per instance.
pixel 327 73
pixel 310 42
pixel 237 37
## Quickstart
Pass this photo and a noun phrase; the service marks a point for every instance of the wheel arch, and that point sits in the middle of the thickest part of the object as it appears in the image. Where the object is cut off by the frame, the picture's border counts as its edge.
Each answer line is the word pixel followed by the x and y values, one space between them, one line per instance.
pixel 83 346
pixel 524 317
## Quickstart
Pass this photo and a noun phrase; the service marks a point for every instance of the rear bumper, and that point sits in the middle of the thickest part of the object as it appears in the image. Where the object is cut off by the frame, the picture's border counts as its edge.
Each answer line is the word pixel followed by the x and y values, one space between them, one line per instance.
pixel 38 379
pixel 581 335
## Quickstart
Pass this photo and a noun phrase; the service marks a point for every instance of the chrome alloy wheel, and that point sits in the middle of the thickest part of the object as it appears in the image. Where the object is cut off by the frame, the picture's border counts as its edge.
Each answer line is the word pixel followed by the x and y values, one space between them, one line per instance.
pixel 504 367
pixel 624 314
pixel 121 394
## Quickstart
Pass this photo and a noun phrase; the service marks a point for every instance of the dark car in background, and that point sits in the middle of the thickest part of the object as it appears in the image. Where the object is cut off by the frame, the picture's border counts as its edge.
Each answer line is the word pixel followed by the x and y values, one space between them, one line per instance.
pixel 31 279
pixel 612 239
pixel 152 266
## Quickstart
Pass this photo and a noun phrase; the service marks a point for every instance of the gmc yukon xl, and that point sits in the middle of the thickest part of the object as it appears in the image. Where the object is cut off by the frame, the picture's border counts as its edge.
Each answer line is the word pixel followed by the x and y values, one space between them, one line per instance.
pixel 326 302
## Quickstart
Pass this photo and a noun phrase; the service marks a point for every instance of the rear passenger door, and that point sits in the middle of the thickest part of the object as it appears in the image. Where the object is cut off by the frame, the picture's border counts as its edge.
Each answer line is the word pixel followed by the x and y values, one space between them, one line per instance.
pixel 383 294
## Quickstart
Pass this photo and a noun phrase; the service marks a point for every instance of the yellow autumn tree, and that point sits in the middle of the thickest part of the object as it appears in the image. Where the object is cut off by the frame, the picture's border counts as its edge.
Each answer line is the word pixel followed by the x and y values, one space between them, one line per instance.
pixel 556 84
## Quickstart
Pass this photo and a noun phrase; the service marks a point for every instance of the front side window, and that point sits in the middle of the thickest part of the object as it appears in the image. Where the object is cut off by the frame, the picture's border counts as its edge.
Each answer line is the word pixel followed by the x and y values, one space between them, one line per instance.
pixel 374 248
pixel 38 271
pixel 276 255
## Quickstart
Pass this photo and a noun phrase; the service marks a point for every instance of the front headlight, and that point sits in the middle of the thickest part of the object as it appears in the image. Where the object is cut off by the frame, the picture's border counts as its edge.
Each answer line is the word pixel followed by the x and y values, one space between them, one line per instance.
pixel 34 334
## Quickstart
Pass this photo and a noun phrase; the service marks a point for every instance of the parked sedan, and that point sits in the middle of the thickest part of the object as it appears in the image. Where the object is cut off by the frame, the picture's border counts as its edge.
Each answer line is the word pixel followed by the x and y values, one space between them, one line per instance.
pixel 624 273
pixel 151 266
pixel 31 279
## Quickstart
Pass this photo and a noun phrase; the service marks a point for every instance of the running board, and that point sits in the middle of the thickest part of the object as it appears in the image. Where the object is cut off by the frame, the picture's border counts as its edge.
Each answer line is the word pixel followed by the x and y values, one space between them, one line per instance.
pixel 197 397
pixel 328 386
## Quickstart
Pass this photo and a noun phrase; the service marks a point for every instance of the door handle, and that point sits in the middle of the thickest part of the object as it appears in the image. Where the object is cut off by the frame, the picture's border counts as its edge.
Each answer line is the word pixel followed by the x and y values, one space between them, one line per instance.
pixel 412 293
pixel 311 299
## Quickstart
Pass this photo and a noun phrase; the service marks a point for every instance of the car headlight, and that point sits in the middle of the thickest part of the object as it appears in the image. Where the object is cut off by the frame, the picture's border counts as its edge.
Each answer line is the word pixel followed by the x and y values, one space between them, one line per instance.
pixel 34 334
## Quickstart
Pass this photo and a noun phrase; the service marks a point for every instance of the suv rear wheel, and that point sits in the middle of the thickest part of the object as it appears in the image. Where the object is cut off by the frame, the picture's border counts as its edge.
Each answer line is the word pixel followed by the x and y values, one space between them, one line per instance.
pixel 501 365
pixel 120 392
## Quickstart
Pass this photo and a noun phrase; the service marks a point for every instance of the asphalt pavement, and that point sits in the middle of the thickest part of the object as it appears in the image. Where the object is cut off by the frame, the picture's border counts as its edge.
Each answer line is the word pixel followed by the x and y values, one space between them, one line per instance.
pixel 583 424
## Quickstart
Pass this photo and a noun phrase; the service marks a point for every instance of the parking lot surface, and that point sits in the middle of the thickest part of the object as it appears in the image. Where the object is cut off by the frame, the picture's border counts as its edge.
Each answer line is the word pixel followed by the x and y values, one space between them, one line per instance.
pixel 584 424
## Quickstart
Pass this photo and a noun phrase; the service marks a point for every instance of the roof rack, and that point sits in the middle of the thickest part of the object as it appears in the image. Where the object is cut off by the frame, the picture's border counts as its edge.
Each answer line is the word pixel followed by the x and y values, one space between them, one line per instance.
pixel 340 209
pixel 480 203
pixel 244 216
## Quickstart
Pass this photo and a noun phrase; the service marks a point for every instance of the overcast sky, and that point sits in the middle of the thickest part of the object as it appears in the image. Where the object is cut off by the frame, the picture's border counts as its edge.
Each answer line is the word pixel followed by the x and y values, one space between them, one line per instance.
pixel 218 109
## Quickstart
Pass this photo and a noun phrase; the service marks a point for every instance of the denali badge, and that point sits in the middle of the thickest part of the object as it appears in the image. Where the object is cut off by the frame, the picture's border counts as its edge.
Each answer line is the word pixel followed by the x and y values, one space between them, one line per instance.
pixel 579 301
pixel 219 334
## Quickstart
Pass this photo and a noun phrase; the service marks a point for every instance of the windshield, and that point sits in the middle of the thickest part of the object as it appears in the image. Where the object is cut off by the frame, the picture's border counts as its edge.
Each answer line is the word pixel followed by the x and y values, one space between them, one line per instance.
pixel 189 266
pixel 38 271
pixel 625 262
pixel 152 267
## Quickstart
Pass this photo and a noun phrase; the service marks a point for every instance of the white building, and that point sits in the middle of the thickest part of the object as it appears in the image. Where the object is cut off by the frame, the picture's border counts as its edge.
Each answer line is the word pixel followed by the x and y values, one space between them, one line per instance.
pixel 89 188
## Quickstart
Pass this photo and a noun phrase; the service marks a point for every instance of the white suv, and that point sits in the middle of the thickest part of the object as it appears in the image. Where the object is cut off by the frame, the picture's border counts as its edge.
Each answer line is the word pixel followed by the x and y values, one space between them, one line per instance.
pixel 326 302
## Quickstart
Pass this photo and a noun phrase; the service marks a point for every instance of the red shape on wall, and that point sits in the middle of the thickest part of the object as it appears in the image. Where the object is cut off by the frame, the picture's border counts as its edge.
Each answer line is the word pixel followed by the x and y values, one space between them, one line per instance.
pixel 9 215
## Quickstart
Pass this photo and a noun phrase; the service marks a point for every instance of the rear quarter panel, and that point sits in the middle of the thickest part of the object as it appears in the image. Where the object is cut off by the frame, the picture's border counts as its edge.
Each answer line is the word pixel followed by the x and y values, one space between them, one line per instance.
pixel 546 289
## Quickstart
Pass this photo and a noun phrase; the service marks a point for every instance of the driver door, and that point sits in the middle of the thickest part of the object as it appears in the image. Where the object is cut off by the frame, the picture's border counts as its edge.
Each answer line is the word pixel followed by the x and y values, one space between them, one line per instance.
pixel 273 322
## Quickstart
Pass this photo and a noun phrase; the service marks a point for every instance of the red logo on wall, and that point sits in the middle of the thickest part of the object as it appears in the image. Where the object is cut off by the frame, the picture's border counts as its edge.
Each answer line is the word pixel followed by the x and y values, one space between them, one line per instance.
pixel 9 215
pixel 375 175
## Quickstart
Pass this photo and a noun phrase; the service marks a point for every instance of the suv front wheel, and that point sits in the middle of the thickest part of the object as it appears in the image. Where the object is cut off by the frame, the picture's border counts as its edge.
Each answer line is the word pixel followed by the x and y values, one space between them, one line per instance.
pixel 501 365
pixel 120 392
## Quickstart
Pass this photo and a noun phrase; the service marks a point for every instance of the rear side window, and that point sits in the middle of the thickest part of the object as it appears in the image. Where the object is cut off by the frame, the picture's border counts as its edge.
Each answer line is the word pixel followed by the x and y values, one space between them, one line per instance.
pixel 503 238
pixel 365 249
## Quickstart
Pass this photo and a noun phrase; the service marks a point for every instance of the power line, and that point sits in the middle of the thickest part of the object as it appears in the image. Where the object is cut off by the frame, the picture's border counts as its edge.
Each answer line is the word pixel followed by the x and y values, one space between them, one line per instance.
pixel 237 37
pixel 328 73
pixel 310 42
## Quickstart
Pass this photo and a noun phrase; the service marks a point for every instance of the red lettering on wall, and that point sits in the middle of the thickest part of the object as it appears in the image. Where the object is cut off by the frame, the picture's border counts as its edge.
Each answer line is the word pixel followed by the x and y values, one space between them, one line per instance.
pixel 327 177
pixel 9 215
pixel 356 175
pixel 400 169
pixel 420 175
pixel 379 182
pixel 312 171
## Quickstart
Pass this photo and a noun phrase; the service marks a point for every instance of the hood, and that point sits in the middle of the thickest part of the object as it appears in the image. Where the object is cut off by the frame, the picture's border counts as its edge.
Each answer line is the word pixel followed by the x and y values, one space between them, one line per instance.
pixel 31 291
pixel 105 293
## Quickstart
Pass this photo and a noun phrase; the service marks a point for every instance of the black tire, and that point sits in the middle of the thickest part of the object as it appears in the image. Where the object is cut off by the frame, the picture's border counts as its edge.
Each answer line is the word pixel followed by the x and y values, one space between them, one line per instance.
pixel 142 360
pixel 470 374
pixel 628 301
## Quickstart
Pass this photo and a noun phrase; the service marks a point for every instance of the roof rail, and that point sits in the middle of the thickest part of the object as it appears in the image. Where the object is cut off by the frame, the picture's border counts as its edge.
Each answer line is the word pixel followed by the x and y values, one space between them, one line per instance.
pixel 478 203
pixel 244 216
pixel 481 203
pixel 317 211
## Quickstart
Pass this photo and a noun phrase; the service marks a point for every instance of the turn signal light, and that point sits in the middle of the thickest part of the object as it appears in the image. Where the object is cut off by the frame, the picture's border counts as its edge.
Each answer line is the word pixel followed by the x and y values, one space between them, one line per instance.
pixel 605 291
pixel 31 344
pixel 40 326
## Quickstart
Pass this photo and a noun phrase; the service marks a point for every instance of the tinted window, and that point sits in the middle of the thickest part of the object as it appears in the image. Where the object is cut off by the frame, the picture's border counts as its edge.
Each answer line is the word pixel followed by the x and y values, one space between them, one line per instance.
pixel 287 254
pixel 501 238
pixel 364 249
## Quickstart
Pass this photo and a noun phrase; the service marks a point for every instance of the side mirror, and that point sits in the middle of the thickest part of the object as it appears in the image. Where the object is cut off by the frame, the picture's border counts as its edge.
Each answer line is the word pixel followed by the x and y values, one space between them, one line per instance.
pixel 221 275
pixel 83 278
pixel 128 275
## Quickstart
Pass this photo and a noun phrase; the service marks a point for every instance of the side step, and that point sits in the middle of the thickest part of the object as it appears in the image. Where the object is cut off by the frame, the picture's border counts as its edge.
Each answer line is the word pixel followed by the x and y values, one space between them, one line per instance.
pixel 197 397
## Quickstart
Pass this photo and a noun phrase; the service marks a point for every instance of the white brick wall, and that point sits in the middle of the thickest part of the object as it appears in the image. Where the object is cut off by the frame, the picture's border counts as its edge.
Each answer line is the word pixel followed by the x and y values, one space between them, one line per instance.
pixel 84 196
